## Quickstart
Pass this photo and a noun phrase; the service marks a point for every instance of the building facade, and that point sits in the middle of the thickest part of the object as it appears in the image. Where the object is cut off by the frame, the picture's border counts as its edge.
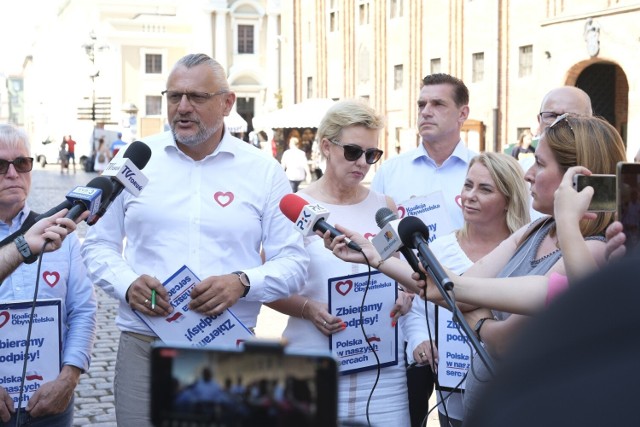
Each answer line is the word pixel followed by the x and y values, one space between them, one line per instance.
pixel 508 52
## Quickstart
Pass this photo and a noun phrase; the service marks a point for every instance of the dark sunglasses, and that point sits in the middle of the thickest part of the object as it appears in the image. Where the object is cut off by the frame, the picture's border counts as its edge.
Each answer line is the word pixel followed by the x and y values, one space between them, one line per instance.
pixel 22 164
pixel 353 152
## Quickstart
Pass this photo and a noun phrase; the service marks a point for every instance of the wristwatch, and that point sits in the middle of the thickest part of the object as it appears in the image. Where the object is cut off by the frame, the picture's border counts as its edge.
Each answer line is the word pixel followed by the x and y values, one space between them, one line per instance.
pixel 25 251
pixel 244 280
pixel 479 325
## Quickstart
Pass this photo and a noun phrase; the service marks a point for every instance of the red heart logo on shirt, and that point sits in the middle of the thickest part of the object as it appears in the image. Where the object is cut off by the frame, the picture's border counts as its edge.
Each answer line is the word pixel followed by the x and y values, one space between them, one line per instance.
pixel 51 278
pixel 458 200
pixel 344 288
pixel 369 236
pixel 223 199
pixel 401 211
pixel 5 316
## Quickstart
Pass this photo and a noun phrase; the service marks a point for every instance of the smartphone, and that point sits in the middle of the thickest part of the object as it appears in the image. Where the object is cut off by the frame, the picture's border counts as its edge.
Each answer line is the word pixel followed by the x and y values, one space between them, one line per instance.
pixel 628 205
pixel 604 191
pixel 251 386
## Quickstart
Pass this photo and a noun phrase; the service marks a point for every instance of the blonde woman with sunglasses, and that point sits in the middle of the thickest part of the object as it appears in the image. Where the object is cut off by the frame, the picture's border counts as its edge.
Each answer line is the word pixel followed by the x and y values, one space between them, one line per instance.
pixel 348 139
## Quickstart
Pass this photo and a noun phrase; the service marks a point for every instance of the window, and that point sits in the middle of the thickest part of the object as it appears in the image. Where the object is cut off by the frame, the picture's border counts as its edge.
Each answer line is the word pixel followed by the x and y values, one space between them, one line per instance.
pixel 395 9
pixel 333 17
pixel 398 76
pixel 436 65
pixel 153 63
pixel 153 105
pixel 526 61
pixel 477 67
pixel 309 87
pixel 363 12
pixel 245 39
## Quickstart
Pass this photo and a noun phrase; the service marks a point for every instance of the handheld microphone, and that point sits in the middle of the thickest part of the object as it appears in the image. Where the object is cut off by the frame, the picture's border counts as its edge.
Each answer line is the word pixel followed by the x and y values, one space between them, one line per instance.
pixel 310 218
pixel 125 174
pixel 89 197
pixel 414 235
pixel 388 240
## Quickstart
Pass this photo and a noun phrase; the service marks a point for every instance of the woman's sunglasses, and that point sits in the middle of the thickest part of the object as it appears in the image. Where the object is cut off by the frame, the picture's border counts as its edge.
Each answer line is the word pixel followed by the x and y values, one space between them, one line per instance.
pixel 353 152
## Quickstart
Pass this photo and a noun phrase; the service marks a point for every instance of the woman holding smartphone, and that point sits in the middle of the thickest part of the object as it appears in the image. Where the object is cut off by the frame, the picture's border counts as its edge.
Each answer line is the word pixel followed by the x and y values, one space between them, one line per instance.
pixel 533 250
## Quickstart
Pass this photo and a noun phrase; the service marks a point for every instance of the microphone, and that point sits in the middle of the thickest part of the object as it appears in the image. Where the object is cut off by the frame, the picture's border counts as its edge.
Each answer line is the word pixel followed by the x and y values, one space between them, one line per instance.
pixel 415 234
pixel 125 174
pixel 388 240
pixel 97 182
pixel 89 197
pixel 310 218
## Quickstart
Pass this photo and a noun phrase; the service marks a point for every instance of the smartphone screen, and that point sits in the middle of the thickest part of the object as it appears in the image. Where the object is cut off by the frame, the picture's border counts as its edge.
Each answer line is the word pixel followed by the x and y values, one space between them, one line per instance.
pixel 604 191
pixel 629 202
pixel 204 387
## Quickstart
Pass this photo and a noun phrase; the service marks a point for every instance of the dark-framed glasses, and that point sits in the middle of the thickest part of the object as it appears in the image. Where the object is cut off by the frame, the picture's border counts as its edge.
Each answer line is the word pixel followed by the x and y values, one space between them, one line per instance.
pixel 549 116
pixel 21 164
pixel 353 152
pixel 174 96
pixel 563 118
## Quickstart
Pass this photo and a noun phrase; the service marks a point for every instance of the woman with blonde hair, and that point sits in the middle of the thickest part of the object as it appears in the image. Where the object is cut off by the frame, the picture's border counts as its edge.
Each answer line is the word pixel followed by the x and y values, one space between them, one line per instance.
pixel 495 204
pixel 348 139
pixel 570 141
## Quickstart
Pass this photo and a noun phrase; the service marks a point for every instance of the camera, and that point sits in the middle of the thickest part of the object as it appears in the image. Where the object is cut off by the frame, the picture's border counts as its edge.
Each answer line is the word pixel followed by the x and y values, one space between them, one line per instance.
pixel 260 383
pixel 604 191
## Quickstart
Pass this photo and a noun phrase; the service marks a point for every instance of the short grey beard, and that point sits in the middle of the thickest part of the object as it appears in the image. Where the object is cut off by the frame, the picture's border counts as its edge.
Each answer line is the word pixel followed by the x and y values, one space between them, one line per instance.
pixel 199 138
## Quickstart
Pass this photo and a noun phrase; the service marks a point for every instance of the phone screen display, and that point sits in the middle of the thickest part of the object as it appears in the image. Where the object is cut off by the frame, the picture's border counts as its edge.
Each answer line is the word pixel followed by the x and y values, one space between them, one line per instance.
pixel 198 387
pixel 629 202
pixel 604 191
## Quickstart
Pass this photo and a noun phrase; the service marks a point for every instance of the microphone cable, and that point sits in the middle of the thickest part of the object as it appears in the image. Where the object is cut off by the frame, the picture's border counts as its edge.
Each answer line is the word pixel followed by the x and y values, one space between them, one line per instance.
pixel 29 327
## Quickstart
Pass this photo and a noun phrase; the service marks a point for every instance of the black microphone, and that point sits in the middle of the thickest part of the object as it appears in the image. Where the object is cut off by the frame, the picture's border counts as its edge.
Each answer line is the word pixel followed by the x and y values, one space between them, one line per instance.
pixel 385 216
pixel 98 182
pixel 415 235
pixel 89 197
pixel 123 175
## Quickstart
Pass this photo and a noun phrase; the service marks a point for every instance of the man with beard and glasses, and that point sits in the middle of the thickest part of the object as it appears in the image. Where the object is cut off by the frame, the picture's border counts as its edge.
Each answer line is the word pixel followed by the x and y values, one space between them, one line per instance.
pixel 212 204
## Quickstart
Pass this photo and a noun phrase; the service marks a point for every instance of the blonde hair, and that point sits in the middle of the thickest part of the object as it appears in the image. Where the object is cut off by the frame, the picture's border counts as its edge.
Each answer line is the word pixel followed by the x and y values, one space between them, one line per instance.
pixel 590 142
pixel 348 113
pixel 509 180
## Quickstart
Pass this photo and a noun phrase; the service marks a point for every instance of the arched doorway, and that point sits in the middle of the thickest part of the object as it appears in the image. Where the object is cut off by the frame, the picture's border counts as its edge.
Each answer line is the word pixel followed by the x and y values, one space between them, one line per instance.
pixel 607 85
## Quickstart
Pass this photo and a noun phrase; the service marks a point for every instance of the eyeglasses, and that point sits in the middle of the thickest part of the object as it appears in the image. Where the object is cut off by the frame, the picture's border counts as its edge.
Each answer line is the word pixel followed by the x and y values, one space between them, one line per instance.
pixel 174 97
pixel 353 152
pixel 549 116
pixel 22 164
pixel 562 118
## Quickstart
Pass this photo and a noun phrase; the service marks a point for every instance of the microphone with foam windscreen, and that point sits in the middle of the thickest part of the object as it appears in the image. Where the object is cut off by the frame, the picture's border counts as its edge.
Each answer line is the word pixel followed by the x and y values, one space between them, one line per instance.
pixel 125 173
pixel 310 218
pixel 89 197
pixel 388 241
pixel 414 235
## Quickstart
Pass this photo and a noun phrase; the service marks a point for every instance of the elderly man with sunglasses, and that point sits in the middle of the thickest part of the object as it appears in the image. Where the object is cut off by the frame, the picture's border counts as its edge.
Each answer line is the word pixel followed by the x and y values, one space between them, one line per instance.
pixel 60 275
pixel 212 204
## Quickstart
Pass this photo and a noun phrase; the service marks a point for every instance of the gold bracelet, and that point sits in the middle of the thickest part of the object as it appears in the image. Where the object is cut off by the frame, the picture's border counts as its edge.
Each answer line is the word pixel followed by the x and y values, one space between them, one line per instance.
pixel 302 311
pixel 380 263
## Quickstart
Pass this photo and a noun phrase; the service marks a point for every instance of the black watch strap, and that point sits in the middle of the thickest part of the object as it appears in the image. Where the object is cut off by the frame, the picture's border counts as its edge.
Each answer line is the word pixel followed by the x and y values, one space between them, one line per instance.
pixel 25 251
pixel 479 326
pixel 244 280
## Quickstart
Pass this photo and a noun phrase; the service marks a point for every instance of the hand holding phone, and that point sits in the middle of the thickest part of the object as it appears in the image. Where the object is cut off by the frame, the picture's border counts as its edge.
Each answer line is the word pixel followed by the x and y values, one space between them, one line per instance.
pixel 604 191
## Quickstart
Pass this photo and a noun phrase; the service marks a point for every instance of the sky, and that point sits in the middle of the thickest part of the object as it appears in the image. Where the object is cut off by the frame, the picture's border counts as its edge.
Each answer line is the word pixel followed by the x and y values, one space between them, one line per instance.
pixel 19 21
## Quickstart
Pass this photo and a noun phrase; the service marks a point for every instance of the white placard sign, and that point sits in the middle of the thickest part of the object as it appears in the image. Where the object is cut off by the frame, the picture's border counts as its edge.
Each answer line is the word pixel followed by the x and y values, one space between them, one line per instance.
pixel 432 210
pixel 352 349
pixel 453 350
pixel 184 326
pixel 45 346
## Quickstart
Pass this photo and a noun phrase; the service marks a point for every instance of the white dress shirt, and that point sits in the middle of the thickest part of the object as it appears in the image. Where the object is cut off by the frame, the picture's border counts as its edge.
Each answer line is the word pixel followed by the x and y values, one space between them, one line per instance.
pixel 213 215
pixel 415 174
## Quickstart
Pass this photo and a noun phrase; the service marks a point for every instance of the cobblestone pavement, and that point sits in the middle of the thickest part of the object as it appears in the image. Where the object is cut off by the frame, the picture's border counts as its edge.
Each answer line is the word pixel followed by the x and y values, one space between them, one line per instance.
pixel 94 401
